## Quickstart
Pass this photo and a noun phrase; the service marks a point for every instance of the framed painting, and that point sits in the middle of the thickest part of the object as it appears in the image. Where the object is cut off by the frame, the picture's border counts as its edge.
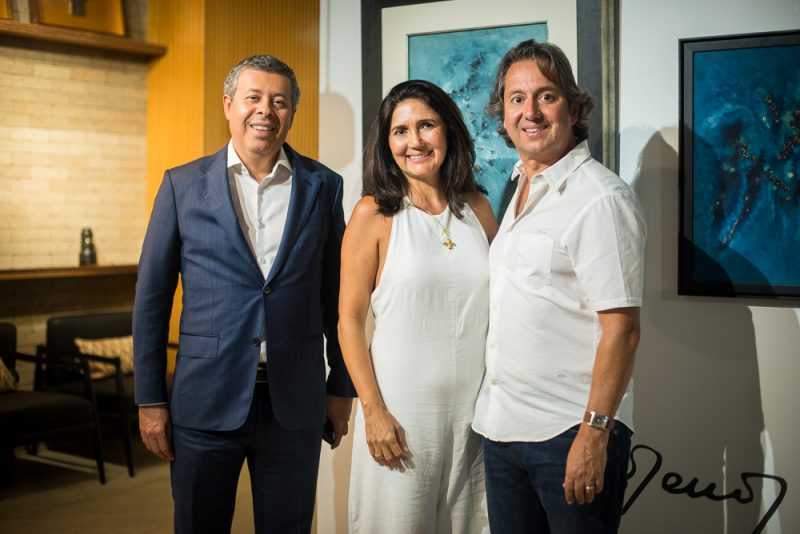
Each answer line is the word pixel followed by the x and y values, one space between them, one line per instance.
pixel 740 166
pixel 105 16
pixel 469 37
pixel 5 9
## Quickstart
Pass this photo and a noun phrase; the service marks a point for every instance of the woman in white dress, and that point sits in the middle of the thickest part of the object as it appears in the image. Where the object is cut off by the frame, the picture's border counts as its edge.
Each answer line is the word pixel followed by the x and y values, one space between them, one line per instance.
pixel 416 251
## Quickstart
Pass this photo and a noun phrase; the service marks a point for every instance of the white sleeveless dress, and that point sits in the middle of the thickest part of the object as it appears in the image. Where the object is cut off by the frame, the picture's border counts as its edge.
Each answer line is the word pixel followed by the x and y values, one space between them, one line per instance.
pixel 431 311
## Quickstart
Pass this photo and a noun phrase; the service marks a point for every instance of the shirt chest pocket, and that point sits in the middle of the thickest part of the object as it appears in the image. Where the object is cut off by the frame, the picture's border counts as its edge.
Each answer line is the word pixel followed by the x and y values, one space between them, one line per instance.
pixel 535 259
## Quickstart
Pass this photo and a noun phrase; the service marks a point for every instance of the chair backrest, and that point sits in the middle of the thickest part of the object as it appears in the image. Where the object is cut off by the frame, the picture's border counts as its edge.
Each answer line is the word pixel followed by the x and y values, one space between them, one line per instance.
pixel 8 346
pixel 62 331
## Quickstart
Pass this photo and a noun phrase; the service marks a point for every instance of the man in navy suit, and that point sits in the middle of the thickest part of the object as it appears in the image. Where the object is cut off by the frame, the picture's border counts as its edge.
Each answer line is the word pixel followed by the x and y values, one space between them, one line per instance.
pixel 254 231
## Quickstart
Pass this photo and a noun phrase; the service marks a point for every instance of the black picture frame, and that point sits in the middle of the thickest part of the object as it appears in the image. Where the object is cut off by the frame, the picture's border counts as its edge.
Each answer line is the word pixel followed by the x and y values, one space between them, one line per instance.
pixel 597 67
pixel 739 170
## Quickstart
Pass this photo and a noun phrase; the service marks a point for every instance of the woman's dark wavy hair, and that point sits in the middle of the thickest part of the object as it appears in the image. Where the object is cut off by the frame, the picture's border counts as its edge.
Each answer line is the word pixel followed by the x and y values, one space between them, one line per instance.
pixel 555 66
pixel 384 180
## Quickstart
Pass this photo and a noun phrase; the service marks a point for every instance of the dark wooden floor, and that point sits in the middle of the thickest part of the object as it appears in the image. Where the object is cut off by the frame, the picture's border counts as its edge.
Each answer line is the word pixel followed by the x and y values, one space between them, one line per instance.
pixel 57 492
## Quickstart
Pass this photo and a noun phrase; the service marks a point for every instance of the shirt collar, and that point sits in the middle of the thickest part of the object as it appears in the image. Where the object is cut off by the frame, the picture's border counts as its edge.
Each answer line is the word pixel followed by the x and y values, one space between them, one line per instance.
pixel 235 163
pixel 557 173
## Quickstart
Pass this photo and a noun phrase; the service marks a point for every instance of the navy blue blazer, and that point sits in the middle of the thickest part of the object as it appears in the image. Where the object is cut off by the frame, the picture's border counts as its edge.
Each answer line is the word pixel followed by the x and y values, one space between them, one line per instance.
pixel 228 306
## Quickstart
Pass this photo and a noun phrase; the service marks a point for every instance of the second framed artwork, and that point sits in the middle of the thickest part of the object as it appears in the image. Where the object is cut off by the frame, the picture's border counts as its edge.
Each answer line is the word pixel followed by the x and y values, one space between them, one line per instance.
pixel 457 44
pixel 740 165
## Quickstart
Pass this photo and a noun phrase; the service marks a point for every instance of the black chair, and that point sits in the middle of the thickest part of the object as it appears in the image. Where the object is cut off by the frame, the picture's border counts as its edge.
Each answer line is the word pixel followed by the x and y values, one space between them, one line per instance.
pixel 30 417
pixel 114 394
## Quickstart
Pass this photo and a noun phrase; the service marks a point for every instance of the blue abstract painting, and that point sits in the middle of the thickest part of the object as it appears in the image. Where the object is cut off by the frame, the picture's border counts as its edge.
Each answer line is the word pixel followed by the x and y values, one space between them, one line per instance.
pixel 746 167
pixel 463 63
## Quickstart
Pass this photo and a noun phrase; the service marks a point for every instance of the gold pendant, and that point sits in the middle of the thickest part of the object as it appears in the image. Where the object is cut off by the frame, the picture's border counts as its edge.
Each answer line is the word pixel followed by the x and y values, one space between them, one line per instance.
pixel 449 243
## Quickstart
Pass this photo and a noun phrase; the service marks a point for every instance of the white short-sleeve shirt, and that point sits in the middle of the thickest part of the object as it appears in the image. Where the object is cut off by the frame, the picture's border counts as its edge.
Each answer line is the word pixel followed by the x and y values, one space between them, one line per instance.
pixel 576 248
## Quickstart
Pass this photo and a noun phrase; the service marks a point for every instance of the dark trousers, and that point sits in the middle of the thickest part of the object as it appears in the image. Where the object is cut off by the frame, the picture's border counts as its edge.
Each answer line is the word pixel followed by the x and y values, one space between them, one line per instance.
pixel 524 487
pixel 283 468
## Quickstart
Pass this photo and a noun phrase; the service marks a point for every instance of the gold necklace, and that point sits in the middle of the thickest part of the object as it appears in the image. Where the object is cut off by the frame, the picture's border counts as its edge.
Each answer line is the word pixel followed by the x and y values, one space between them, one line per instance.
pixel 448 242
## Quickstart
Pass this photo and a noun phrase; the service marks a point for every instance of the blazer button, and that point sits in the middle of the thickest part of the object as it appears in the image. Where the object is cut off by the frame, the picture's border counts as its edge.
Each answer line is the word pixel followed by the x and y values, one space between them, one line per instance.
pixel 256 342
pixel 267 290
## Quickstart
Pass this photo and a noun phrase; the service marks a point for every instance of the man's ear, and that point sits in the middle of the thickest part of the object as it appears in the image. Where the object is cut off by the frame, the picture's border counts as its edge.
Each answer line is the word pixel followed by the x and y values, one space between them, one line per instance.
pixel 226 105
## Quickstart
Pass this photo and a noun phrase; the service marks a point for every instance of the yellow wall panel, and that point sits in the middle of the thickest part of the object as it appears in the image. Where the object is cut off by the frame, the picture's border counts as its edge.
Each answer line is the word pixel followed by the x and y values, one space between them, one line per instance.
pixel 175 111
pixel 286 29
pixel 175 107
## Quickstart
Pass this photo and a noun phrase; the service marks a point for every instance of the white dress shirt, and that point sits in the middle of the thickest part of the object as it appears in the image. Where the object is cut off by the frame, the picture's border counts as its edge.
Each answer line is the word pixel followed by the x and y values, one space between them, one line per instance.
pixel 576 248
pixel 261 209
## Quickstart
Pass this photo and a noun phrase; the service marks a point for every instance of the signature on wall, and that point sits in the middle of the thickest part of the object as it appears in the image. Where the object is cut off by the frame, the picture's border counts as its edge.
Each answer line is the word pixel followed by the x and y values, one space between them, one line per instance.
pixel 674 483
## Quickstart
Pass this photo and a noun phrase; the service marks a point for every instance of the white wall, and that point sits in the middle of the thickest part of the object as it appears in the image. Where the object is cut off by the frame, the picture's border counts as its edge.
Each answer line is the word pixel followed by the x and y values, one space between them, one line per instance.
pixel 715 377
pixel 340 94
pixel 340 149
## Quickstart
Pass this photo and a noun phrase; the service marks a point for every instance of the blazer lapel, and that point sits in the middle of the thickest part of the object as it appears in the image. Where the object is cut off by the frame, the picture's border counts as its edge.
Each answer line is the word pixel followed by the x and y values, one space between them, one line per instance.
pixel 301 200
pixel 217 191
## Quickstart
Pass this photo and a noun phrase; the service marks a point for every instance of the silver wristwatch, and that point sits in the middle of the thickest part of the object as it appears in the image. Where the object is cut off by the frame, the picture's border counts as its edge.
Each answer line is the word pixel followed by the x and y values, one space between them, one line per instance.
pixel 598 421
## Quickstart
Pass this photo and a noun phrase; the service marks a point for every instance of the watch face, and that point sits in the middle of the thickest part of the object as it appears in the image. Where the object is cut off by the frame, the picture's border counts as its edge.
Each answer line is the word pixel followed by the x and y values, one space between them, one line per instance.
pixel 598 421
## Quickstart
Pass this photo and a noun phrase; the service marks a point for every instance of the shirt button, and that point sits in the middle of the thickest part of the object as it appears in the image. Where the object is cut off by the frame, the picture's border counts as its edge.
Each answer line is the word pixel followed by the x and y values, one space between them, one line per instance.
pixel 267 290
pixel 494 381
pixel 263 261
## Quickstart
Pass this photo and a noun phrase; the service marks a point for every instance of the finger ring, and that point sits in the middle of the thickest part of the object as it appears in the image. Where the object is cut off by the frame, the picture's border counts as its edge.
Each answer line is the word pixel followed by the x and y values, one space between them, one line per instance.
pixel 378 455
pixel 589 488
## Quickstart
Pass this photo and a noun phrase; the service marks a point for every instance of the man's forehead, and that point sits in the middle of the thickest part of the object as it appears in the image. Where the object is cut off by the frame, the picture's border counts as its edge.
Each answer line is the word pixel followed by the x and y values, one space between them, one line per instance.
pixel 523 70
pixel 252 75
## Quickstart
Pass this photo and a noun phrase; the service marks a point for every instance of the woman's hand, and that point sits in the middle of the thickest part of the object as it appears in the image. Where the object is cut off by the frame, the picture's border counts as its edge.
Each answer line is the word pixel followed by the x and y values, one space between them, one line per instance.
pixel 385 438
pixel 363 252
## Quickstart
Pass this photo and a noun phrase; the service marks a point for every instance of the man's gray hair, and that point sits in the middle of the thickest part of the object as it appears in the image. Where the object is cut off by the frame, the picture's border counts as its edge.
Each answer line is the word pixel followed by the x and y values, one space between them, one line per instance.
pixel 264 63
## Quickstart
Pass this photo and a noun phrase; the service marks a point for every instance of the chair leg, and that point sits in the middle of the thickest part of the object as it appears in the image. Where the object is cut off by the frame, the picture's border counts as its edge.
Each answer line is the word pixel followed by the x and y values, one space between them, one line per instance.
pixel 125 426
pixel 126 442
pixel 6 462
pixel 97 443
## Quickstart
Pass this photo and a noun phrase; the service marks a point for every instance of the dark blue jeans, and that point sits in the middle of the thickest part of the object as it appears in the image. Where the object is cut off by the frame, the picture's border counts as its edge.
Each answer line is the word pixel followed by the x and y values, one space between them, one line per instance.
pixel 524 486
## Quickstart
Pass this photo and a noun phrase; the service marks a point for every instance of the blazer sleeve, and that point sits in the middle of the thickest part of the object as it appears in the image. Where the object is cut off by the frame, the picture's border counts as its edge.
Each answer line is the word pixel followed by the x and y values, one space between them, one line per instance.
pixel 339 382
pixel 157 278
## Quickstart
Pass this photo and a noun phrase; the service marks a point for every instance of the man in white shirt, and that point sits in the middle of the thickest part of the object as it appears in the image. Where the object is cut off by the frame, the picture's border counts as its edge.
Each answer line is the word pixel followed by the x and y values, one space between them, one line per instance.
pixel 566 277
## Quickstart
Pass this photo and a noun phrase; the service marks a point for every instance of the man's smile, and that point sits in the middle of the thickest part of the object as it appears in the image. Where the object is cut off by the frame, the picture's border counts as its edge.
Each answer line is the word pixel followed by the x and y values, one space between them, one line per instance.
pixel 259 127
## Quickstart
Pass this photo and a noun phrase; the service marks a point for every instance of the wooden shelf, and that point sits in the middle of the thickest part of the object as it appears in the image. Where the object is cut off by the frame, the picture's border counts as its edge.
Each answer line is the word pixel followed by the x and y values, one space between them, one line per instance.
pixel 100 41
pixel 68 272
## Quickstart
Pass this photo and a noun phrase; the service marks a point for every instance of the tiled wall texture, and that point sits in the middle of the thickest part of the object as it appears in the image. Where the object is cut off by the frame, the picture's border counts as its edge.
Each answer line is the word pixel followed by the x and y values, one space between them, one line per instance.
pixel 72 155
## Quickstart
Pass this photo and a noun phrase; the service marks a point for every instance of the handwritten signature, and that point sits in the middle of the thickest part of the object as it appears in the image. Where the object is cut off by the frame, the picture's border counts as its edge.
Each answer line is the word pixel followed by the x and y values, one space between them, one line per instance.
pixel 673 483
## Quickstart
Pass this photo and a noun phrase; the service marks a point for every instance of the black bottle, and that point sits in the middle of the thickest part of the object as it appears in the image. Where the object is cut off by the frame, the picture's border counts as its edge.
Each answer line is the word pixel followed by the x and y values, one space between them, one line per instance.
pixel 88 256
